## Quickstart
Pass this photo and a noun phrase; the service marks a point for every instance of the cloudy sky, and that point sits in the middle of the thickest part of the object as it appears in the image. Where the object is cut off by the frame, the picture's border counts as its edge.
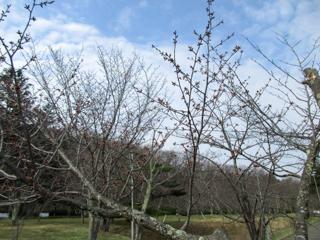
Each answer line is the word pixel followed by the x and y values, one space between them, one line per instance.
pixel 134 25
pixel 137 24
pixel 152 21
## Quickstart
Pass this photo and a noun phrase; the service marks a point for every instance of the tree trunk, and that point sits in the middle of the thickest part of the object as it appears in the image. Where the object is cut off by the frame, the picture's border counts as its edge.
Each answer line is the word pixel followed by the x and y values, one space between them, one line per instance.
pixel 94 223
pixel 146 200
pixel 105 226
pixel 15 220
pixel 82 216
pixel 302 211
pixel 190 199
pixel 16 231
pixel 267 232
pixel 15 214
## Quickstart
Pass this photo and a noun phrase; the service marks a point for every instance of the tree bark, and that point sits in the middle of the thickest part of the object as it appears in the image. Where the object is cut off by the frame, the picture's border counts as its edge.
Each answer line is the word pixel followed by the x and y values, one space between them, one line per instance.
pixel 146 200
pixel 15 214
pixel 302 211
pixel 190 197
pixel 15 219
pixel 94 224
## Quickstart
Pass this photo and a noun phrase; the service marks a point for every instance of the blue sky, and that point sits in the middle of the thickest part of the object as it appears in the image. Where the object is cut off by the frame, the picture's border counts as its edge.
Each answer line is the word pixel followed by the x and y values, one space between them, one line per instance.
pixel 134 25
pixel 153 21
pixel 140 21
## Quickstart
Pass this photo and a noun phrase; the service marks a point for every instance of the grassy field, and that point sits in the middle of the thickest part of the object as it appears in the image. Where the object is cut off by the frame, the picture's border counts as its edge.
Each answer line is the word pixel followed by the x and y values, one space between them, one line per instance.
pixel 74 229
pixel 60 229
pixel 286 233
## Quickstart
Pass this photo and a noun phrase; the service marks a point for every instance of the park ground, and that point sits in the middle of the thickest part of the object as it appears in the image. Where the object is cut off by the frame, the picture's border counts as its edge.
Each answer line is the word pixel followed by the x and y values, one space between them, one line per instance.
pixel 76 229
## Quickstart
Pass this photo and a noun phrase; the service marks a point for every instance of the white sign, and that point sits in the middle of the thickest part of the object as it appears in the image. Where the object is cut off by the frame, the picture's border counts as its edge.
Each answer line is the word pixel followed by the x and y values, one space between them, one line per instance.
pixel 4 215
pixel 44 214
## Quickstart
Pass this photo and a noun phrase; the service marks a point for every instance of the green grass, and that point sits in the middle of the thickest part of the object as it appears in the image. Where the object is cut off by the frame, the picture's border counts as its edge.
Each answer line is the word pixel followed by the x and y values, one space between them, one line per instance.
pixel 283 234
pixel 60 229
pixel 74 229
pixel 286 233
pixel 194 218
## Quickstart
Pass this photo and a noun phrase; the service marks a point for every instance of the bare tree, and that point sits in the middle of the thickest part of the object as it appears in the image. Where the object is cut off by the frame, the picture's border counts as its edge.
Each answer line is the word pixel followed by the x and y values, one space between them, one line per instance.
pixel 199 86
pixel 18 169
pixel 214 117
pixel 102 116
pixel 221 110
pixel 294 126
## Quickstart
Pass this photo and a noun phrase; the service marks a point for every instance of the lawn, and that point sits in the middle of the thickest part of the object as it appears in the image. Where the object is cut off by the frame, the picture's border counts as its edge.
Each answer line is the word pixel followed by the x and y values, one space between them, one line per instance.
pixel 286 232
pixel 74 229
pixel 61 229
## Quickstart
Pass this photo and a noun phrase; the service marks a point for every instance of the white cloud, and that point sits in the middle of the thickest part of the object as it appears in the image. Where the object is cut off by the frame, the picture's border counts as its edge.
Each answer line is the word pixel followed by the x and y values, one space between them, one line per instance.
pixel 268 11
pixel 297 19
pixel 304 24
pixel 143 3
pixel 124 19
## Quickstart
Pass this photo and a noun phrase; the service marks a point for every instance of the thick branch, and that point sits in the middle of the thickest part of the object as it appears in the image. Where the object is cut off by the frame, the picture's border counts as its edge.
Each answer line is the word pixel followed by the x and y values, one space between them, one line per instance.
pixel 7 175
pixel 139 217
